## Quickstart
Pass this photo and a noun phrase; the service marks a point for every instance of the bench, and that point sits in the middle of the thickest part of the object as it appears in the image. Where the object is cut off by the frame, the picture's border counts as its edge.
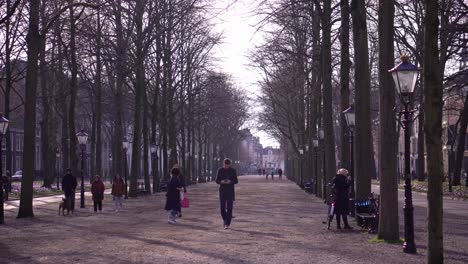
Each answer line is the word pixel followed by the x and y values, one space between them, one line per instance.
pixel 309 187
pixel 142 191
pixel 367 214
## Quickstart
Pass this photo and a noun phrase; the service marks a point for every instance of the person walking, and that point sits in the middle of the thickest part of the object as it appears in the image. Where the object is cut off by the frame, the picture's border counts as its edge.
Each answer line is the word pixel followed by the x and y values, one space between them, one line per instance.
pixel 118 190
pixel 272 173
pixel 226 178
pixel 280 173
pixel 173 196
pixel 182 183
pixel 69 184
pixel 6 184
pixel 340 188
pixel 97 190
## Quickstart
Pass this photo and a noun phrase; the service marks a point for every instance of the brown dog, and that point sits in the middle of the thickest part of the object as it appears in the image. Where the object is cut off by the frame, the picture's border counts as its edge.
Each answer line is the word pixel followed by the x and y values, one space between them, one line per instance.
pixel 65 205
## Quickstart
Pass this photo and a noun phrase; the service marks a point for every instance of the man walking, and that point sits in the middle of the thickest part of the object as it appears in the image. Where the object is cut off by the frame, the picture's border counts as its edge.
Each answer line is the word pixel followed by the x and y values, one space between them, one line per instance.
pixel 226 178
pixel 68 186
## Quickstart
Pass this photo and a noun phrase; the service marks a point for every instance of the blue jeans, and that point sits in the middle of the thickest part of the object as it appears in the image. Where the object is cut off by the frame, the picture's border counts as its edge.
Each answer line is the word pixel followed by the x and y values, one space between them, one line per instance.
pixel 226 210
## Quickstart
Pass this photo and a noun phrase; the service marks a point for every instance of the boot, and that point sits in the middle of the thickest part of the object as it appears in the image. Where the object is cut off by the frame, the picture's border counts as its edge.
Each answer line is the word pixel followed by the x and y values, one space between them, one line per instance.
pixel 338 221
pixel 345 220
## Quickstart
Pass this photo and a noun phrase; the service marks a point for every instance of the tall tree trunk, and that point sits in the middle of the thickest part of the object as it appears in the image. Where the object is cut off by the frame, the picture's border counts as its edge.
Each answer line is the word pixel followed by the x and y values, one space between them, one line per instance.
pixel 344 81
pixel 47 149
pixel 118 164
pixel 73 94
pixel 421 161
pixel 461 136
pixel 330 162
pixel 388 217
pixel 98 102
pixel 29 147
pixel 139 92
pixel 8 87
pixel 433 91
pixel 63 94
pixel 146 145
pixel 363 151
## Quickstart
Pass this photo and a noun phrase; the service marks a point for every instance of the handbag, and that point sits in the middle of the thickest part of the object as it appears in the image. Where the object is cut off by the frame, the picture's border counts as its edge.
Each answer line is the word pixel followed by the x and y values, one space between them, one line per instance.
pixel 185 202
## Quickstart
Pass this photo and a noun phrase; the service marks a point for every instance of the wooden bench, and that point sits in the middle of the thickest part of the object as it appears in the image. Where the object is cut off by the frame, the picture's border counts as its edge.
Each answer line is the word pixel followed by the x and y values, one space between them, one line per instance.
pixel 367 214
pixel 142 191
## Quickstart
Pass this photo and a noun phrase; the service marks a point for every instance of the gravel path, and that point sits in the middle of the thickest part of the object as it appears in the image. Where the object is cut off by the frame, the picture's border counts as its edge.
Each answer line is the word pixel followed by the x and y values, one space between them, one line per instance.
pixel 275 222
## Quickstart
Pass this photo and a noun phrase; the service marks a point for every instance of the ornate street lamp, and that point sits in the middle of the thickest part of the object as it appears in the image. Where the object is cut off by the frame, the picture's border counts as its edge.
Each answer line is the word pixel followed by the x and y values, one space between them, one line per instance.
pixel 321 135
pixel 125 145
pixel 405 76
pixel 57 162
pixel 153 167
pixel 3 129
pixel 350 117
pixel 315 144
pixel 82 140
pixel 301 152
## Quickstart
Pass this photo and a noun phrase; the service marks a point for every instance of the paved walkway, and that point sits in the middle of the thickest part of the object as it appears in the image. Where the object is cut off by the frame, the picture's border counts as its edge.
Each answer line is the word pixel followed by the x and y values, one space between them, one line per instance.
pixel 275 222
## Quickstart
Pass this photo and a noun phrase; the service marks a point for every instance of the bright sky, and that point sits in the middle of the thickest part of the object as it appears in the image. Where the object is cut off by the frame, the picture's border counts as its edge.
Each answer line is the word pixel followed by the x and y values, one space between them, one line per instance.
pixel 237 20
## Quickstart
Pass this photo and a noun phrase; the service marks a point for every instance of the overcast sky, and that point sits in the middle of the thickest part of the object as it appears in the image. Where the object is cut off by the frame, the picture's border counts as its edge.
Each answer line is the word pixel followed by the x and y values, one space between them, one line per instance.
pixel 238 22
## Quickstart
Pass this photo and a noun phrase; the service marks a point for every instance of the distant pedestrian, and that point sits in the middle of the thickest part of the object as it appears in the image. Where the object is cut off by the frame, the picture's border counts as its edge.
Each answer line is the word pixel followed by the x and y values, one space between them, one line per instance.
pixel 280 173
pixel 259 172
pixel 97 190
pixel 118 190
pixel 226 178
pixel 340 189
pixel 68 186
pixel 6 184
pixel 263 172
pixel 173 196
pixel 272 173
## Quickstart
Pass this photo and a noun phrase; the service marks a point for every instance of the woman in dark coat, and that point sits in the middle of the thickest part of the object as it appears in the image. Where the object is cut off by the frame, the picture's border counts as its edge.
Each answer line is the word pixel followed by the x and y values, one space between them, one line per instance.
pixel 341 184
pixel 173 195
pixel 97 190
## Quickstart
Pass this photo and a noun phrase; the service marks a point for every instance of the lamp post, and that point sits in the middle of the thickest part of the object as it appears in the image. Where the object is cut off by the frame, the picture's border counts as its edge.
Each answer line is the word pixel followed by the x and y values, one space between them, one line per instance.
pixel 405 76
pixel 324 176
pixel 125 145
pixel 153 167
pixel 315 144
pixel 350 117
pixel 82 140
pixel 57 166
pixel 301 153
pixel 3 129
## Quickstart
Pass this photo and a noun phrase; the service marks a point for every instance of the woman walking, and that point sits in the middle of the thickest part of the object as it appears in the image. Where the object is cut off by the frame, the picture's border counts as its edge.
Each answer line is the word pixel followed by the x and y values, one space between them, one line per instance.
pixel 173 196
pixel 341 184
pixel 97 189
pixel 118 190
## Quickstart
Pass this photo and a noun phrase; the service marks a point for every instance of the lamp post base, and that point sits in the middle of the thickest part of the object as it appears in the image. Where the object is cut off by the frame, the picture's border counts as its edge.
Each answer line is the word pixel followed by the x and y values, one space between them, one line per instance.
pixel 409 247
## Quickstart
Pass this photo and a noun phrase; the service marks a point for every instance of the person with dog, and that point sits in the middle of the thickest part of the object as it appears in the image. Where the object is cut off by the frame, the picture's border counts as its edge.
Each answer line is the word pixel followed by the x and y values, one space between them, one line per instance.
pixel 69 184
pixel 118 190
pixel 226 178
pixel 173 196
pixel 340 189
pixel 97 190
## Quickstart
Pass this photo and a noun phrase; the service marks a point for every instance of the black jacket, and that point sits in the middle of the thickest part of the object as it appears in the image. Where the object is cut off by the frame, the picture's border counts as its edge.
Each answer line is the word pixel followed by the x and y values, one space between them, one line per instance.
pixel 173 194
pixel 226 191
pixel 68 184
pixel 340 189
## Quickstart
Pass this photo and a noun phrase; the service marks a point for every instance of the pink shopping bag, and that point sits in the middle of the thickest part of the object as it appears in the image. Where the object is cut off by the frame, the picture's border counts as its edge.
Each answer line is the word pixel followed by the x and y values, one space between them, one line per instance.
pixel 185 202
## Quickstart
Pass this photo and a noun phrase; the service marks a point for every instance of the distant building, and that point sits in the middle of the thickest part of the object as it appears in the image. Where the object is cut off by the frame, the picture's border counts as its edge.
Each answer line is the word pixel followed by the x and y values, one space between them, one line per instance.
pixel 273 158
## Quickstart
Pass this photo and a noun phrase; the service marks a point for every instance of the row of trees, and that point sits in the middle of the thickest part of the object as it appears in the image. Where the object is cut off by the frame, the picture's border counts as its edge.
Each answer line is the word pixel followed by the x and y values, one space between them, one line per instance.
pixel 322 56
pixel 137 69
